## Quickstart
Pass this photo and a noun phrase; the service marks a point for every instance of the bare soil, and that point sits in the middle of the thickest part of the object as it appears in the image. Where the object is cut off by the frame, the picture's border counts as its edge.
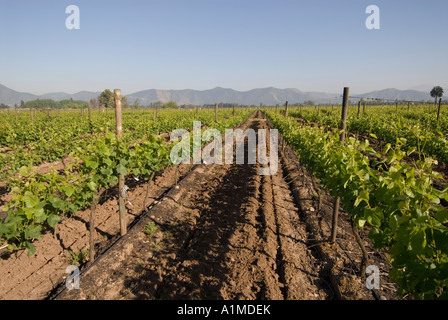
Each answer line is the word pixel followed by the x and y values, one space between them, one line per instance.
pixel 37 276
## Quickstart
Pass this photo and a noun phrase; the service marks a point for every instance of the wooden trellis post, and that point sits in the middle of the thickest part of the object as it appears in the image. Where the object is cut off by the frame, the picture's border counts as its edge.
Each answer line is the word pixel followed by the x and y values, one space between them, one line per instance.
pixel 343 128
pixel 438 109
pixel 121 186
pixel 216 112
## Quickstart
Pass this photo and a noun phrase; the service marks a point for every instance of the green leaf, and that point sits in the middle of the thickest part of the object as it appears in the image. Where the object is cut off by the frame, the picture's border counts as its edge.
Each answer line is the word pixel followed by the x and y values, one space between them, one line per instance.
pixel 409 193
pixel 92 185
pixel 24 171
pixel 113 180
pixel 433 199
pixel 107 161
pixel 418 241
pixel 57 203
pixel 31 249
pixel 33 232
pixel 106 171
pixel 377 237
pixel 92 164
pixel 437 175
pixel 402 205
pixel 35 213
pixel 442 216
pixel 361 222
pixel 411 150
pixel 121 169
pixel 3 229
pixel 110 136
pixel 363 196
pixel 30 199
pixel 52 220
pixel 393 223
pixel 375 218
pixel 68 190
pixel 386 148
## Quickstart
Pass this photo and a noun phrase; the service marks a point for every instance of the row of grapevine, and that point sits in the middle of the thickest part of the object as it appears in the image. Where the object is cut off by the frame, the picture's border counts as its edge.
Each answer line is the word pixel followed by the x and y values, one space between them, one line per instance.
pixel 420 130
pixel 399 203
pixel 50 138
pixel 39 200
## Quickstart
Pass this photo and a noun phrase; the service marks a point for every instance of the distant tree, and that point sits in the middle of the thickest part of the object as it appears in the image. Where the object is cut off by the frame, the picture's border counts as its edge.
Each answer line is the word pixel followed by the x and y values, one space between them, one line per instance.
pixel 42 103
pixel 22 104
pixel 136 104
pixel 3 106
pixel 124 102
pixel 436 92
pixel 171 105
pixel 71 104
pixel 106 99
pixel 308 103
pixel 93 103
pixel 157 104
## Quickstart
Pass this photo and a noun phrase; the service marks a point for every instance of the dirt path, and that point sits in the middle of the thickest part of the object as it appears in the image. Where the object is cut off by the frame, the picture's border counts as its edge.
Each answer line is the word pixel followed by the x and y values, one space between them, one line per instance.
pixel 225 233
pixel 247 242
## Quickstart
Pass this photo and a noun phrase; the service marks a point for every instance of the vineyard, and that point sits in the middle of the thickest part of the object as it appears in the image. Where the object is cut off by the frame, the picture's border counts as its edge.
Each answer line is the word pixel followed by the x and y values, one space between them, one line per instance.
pixel 223 231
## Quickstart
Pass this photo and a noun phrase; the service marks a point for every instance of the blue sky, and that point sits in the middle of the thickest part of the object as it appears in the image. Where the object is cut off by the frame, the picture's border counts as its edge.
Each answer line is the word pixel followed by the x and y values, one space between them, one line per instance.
pixel 312 45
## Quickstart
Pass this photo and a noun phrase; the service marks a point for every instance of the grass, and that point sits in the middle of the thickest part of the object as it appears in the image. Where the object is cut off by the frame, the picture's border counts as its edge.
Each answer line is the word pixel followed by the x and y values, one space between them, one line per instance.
pixel 78 258
pixel 150 229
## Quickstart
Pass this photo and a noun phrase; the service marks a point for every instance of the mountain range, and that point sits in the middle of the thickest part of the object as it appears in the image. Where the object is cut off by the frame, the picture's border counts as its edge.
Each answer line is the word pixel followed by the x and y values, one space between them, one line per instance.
pixel 267 96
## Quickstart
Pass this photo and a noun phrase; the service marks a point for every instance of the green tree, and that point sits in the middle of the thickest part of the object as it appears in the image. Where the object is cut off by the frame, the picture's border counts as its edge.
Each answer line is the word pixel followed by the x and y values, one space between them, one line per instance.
pixel 157 104
pixel 107 99
pixel 436 92
pixel 308 103
pixel 171 105
pixel 93 103
pixel 136 104
pixel 124 102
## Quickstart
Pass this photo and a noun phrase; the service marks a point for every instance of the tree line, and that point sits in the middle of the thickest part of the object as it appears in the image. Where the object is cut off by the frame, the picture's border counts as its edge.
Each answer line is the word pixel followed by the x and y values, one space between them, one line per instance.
pixel 50 103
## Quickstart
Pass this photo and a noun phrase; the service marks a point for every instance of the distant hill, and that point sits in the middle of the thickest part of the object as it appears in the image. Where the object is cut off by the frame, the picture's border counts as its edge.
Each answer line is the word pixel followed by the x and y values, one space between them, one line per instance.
pixel 267 96
pixel 395 94
pixel 10 97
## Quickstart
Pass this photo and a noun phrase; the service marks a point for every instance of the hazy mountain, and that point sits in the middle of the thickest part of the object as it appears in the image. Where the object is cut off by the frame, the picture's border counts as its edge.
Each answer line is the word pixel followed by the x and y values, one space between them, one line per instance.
pixel 53 95
pixel 395 94
pixel 10 97
pixel 267 96
pixel 83 95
